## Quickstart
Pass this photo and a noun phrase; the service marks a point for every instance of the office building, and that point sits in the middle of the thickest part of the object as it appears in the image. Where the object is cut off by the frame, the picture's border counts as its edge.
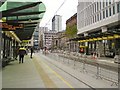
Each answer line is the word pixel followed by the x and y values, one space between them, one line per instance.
pixel 57 23
pixel 47 38
pixel 97 24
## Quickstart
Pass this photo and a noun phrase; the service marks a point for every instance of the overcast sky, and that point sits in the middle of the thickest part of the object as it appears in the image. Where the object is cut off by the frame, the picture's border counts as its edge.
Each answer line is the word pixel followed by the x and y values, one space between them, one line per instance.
pixel 66 11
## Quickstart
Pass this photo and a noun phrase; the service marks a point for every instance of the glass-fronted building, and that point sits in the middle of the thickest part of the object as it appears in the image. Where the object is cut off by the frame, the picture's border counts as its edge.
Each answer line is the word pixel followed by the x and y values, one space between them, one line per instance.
pixel 98 23
pixel 36 39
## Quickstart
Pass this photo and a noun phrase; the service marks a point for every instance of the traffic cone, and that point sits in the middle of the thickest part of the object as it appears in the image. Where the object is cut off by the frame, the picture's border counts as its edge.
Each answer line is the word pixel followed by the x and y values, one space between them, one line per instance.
pixel 94 56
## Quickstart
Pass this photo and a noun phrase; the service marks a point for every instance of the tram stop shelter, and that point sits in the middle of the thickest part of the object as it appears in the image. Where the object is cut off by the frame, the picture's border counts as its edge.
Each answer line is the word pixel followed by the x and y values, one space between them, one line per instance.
pixel 18 20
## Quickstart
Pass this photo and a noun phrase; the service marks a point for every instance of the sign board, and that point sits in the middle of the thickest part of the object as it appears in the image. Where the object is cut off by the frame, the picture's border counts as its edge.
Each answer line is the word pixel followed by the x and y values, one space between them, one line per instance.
pixel 26 41
pixel 11 26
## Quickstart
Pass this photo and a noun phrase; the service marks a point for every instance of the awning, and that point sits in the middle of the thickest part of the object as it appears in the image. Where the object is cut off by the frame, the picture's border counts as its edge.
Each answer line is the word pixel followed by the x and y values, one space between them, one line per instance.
pixel 26 12
pixel 83 46
pixel 100 38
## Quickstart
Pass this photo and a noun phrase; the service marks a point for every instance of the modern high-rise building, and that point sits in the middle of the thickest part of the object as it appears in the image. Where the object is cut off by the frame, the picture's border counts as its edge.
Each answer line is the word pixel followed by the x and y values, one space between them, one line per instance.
pixel 99 27
pixel 57 23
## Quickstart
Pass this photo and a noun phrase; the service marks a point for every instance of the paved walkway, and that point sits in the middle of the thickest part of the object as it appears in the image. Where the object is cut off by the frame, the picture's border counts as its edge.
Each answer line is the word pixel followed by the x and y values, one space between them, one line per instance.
pixel 39 73
pixel 24 75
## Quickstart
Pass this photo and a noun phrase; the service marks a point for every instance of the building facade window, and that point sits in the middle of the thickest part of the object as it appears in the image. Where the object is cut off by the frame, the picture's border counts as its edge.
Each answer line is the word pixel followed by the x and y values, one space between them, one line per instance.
pixel 97 11
pixel 103 4
pixel 113 9
pixel 90 11
pixel 93 19
pixel 103 14
pixel 106 3
pixel 109 1
pixel 100 5
pixel 97 6
pixel 106 13
pixel 93 9
pixel 97 17
pixel 109 11
pixel 100 16
pixel 118 7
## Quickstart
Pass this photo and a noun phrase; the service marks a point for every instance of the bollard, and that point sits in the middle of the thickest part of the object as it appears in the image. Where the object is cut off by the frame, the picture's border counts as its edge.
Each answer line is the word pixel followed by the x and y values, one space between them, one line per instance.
pixel 63 57
pixel 84 66
pixel 68 60
pixel 98 72
pixel 74 63
pixel 59 57
pixel 56 56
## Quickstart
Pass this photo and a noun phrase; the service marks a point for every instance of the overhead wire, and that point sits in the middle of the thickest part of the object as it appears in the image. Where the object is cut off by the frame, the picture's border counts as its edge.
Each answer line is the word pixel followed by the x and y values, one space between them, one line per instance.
pixel 55 12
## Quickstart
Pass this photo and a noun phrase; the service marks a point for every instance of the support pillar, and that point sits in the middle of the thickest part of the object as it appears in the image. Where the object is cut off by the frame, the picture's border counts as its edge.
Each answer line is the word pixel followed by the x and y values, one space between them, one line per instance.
pixel 104 29
pixel 0 48
pixel 85 34
pixel 86 44
pixel 4 42
pixel 1 58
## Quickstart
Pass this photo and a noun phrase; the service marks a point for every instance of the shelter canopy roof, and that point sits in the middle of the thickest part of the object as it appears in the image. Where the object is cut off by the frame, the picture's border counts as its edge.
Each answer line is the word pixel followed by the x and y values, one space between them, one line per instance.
pixel 23 11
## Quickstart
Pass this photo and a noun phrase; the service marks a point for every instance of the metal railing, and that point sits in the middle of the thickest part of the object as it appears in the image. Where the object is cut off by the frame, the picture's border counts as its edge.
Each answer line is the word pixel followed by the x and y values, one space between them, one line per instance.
pixel 83 64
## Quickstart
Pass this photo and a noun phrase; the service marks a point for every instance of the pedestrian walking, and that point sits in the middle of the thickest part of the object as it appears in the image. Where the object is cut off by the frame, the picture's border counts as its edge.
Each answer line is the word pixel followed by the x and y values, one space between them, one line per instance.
pixel 31 50
pixel 22 52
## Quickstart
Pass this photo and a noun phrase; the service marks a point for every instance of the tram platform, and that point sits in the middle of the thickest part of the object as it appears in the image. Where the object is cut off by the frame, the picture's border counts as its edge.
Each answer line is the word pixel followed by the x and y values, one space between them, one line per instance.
pixel 22 75
pixel 39 72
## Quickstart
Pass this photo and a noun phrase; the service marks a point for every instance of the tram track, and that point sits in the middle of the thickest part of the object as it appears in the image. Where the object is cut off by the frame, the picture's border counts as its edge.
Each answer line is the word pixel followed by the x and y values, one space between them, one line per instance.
pixel 91 88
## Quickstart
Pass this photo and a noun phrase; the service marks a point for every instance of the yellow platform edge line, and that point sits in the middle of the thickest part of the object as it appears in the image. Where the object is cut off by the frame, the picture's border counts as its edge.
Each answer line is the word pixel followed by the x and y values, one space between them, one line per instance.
pixel 60 77
pixel 47 81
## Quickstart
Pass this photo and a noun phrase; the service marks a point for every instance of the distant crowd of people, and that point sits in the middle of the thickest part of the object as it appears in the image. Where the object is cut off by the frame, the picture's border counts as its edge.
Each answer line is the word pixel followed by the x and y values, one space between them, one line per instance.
pixel 22 51
pixel 45 50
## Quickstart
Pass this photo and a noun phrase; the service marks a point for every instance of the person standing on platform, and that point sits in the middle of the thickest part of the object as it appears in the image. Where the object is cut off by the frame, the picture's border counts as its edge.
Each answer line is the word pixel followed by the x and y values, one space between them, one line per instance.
pixel 31 50
pixel 22 52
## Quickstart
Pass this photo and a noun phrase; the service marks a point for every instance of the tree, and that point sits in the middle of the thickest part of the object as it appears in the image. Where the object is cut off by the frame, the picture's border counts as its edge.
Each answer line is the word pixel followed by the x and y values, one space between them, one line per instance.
pixel 71 31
